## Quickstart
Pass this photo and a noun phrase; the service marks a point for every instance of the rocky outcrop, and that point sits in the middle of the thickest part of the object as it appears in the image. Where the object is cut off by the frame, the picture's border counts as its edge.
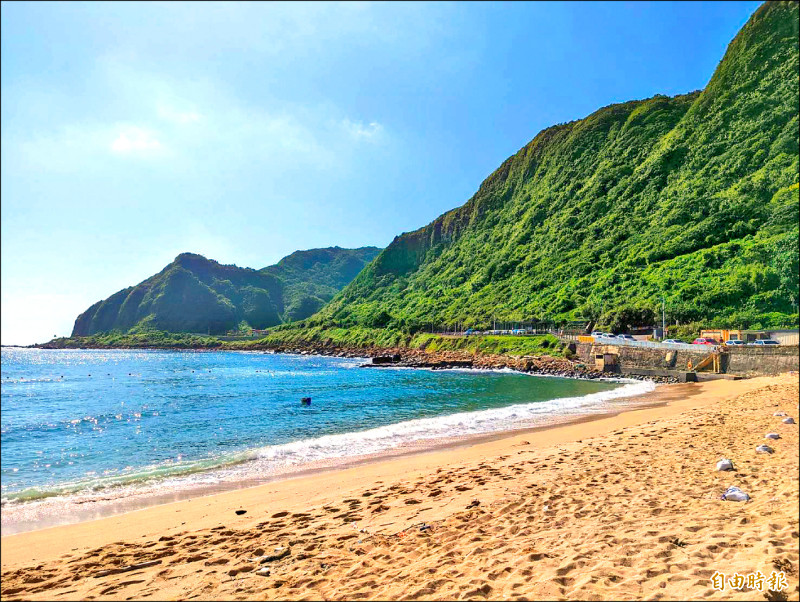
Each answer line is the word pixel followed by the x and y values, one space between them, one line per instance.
pixel 443 360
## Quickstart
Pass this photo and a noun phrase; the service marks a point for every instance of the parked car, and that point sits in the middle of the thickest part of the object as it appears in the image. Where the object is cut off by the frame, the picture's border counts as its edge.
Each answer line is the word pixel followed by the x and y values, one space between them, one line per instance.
pixel 705 341
pixel 735 343
pixel 765 342
pixel 626 337
pixel 673 342
pixel 597 333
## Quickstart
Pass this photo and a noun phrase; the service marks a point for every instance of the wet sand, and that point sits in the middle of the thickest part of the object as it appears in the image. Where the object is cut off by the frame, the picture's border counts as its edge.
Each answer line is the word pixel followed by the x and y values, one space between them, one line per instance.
pixel 621 507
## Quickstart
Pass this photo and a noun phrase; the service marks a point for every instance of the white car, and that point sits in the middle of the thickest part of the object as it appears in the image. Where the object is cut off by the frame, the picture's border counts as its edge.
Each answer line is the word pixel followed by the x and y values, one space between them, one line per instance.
pixel 673 342
pixel 765 342
pixel 626 337
pixel 735 343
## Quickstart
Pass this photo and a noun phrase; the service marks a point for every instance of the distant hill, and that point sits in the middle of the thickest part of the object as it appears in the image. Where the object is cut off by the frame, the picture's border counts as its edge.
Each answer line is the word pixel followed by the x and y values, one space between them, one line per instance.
pixel 195 294
pixel 693 198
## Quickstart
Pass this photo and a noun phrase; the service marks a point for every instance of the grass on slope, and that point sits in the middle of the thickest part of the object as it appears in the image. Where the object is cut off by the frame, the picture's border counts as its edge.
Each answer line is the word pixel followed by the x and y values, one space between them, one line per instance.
pixel 354 338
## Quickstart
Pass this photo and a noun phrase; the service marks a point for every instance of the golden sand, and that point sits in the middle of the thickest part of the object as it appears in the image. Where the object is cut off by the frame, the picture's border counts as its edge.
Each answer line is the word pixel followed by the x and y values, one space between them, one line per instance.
pixel 625 507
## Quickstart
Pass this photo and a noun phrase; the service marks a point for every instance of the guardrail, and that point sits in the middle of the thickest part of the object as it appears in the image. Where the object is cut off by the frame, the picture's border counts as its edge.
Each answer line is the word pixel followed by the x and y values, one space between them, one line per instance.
pixel 585 339
pixel 588 339
pixel 655 344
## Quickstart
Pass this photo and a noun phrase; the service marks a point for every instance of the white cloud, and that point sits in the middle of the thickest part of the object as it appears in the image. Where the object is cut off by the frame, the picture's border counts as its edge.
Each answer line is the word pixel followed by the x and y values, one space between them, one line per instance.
pixel 82 147
pixel 137 140
pixel 359 131
pixel 206 130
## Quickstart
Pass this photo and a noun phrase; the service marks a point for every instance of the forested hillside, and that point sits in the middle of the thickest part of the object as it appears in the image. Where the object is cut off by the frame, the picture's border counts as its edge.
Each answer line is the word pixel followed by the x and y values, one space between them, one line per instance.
pixel 195 294
pixel 693 198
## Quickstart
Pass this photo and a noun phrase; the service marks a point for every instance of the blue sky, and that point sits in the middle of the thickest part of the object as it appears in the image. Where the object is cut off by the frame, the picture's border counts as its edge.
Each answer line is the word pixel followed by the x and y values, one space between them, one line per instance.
pixel 132 132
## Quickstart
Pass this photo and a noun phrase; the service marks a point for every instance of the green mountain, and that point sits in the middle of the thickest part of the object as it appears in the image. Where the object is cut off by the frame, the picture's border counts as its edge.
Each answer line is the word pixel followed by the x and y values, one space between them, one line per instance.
pixel 313 277
pixel 195 294
pixel 693 197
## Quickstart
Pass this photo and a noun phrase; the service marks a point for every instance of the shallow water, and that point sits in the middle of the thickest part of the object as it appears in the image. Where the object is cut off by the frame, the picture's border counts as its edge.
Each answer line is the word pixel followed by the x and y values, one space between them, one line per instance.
pixel 86 422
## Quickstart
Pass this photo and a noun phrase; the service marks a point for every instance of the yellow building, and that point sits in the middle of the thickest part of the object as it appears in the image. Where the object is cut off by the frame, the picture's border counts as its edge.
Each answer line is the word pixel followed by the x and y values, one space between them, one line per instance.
pixel 723 334
pixel 784 337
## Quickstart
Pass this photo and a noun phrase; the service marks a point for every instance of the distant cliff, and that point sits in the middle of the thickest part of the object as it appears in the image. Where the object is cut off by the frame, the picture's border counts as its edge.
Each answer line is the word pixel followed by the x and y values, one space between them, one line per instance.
pixel 195 294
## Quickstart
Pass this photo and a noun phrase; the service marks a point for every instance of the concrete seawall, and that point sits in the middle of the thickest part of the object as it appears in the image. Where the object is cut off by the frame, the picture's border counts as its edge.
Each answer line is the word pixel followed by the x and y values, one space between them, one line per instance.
pixel 748 361
pixel 751 361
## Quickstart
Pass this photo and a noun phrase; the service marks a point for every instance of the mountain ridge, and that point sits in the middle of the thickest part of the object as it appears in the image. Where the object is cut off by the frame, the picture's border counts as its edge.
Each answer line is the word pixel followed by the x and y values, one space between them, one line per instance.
pixel 196 294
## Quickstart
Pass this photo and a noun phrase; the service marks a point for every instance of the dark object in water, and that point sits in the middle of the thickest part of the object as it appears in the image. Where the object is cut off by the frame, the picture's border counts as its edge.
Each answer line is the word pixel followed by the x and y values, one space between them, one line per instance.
pixel 240 512
pixel 306 401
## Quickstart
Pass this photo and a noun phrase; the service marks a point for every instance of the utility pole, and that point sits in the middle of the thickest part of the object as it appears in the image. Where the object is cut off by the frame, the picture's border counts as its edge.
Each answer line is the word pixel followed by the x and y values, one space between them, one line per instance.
pixel 663 319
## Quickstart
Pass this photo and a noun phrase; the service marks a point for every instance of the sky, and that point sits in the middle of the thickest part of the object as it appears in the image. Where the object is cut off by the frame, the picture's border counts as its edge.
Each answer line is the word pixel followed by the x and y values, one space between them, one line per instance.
pixel 132 132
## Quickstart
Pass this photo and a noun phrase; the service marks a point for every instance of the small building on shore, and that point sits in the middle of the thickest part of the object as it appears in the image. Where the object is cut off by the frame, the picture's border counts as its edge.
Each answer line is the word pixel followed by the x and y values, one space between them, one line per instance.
pixel 783 336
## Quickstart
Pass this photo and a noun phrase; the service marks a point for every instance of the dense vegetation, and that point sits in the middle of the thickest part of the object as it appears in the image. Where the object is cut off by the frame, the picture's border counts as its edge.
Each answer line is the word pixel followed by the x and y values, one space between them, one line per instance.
pixel 140 340
pixel 361 337
pixel 692 198
pixel 312 278
pixel 293 337
pixel 195 294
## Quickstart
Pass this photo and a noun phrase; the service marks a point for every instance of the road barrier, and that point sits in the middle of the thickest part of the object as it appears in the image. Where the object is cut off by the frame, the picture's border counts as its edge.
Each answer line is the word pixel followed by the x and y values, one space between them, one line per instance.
pixel 651 344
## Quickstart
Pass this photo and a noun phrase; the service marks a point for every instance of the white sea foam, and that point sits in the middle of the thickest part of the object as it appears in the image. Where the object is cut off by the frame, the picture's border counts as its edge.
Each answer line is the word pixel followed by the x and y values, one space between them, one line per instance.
pixel 463 424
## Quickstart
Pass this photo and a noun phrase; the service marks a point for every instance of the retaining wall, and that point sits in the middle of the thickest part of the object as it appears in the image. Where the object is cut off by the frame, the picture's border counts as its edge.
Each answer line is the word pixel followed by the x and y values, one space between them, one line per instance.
pixel 747 361
pixel 752 361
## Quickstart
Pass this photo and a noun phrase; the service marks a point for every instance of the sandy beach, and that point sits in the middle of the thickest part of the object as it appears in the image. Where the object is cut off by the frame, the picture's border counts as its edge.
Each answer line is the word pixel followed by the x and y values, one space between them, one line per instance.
pixel 623 507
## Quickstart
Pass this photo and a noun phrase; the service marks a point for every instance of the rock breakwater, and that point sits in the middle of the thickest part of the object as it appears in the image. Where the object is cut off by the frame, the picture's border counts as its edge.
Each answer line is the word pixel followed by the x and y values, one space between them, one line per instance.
pixel 400 357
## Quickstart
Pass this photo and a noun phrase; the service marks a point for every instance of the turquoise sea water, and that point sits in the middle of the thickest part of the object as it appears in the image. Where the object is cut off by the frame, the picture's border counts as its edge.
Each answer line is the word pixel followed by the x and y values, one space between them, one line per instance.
pixel 90 422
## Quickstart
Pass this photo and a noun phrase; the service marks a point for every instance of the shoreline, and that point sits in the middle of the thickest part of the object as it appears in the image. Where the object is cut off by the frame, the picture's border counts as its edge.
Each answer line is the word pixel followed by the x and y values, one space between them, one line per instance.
pixel 80 510
pixel 408 357
pixel 576 511
pixel 674 394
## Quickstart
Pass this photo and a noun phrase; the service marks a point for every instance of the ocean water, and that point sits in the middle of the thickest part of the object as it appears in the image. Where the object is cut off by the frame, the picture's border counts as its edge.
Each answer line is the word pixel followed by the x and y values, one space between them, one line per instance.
pixel 94 424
